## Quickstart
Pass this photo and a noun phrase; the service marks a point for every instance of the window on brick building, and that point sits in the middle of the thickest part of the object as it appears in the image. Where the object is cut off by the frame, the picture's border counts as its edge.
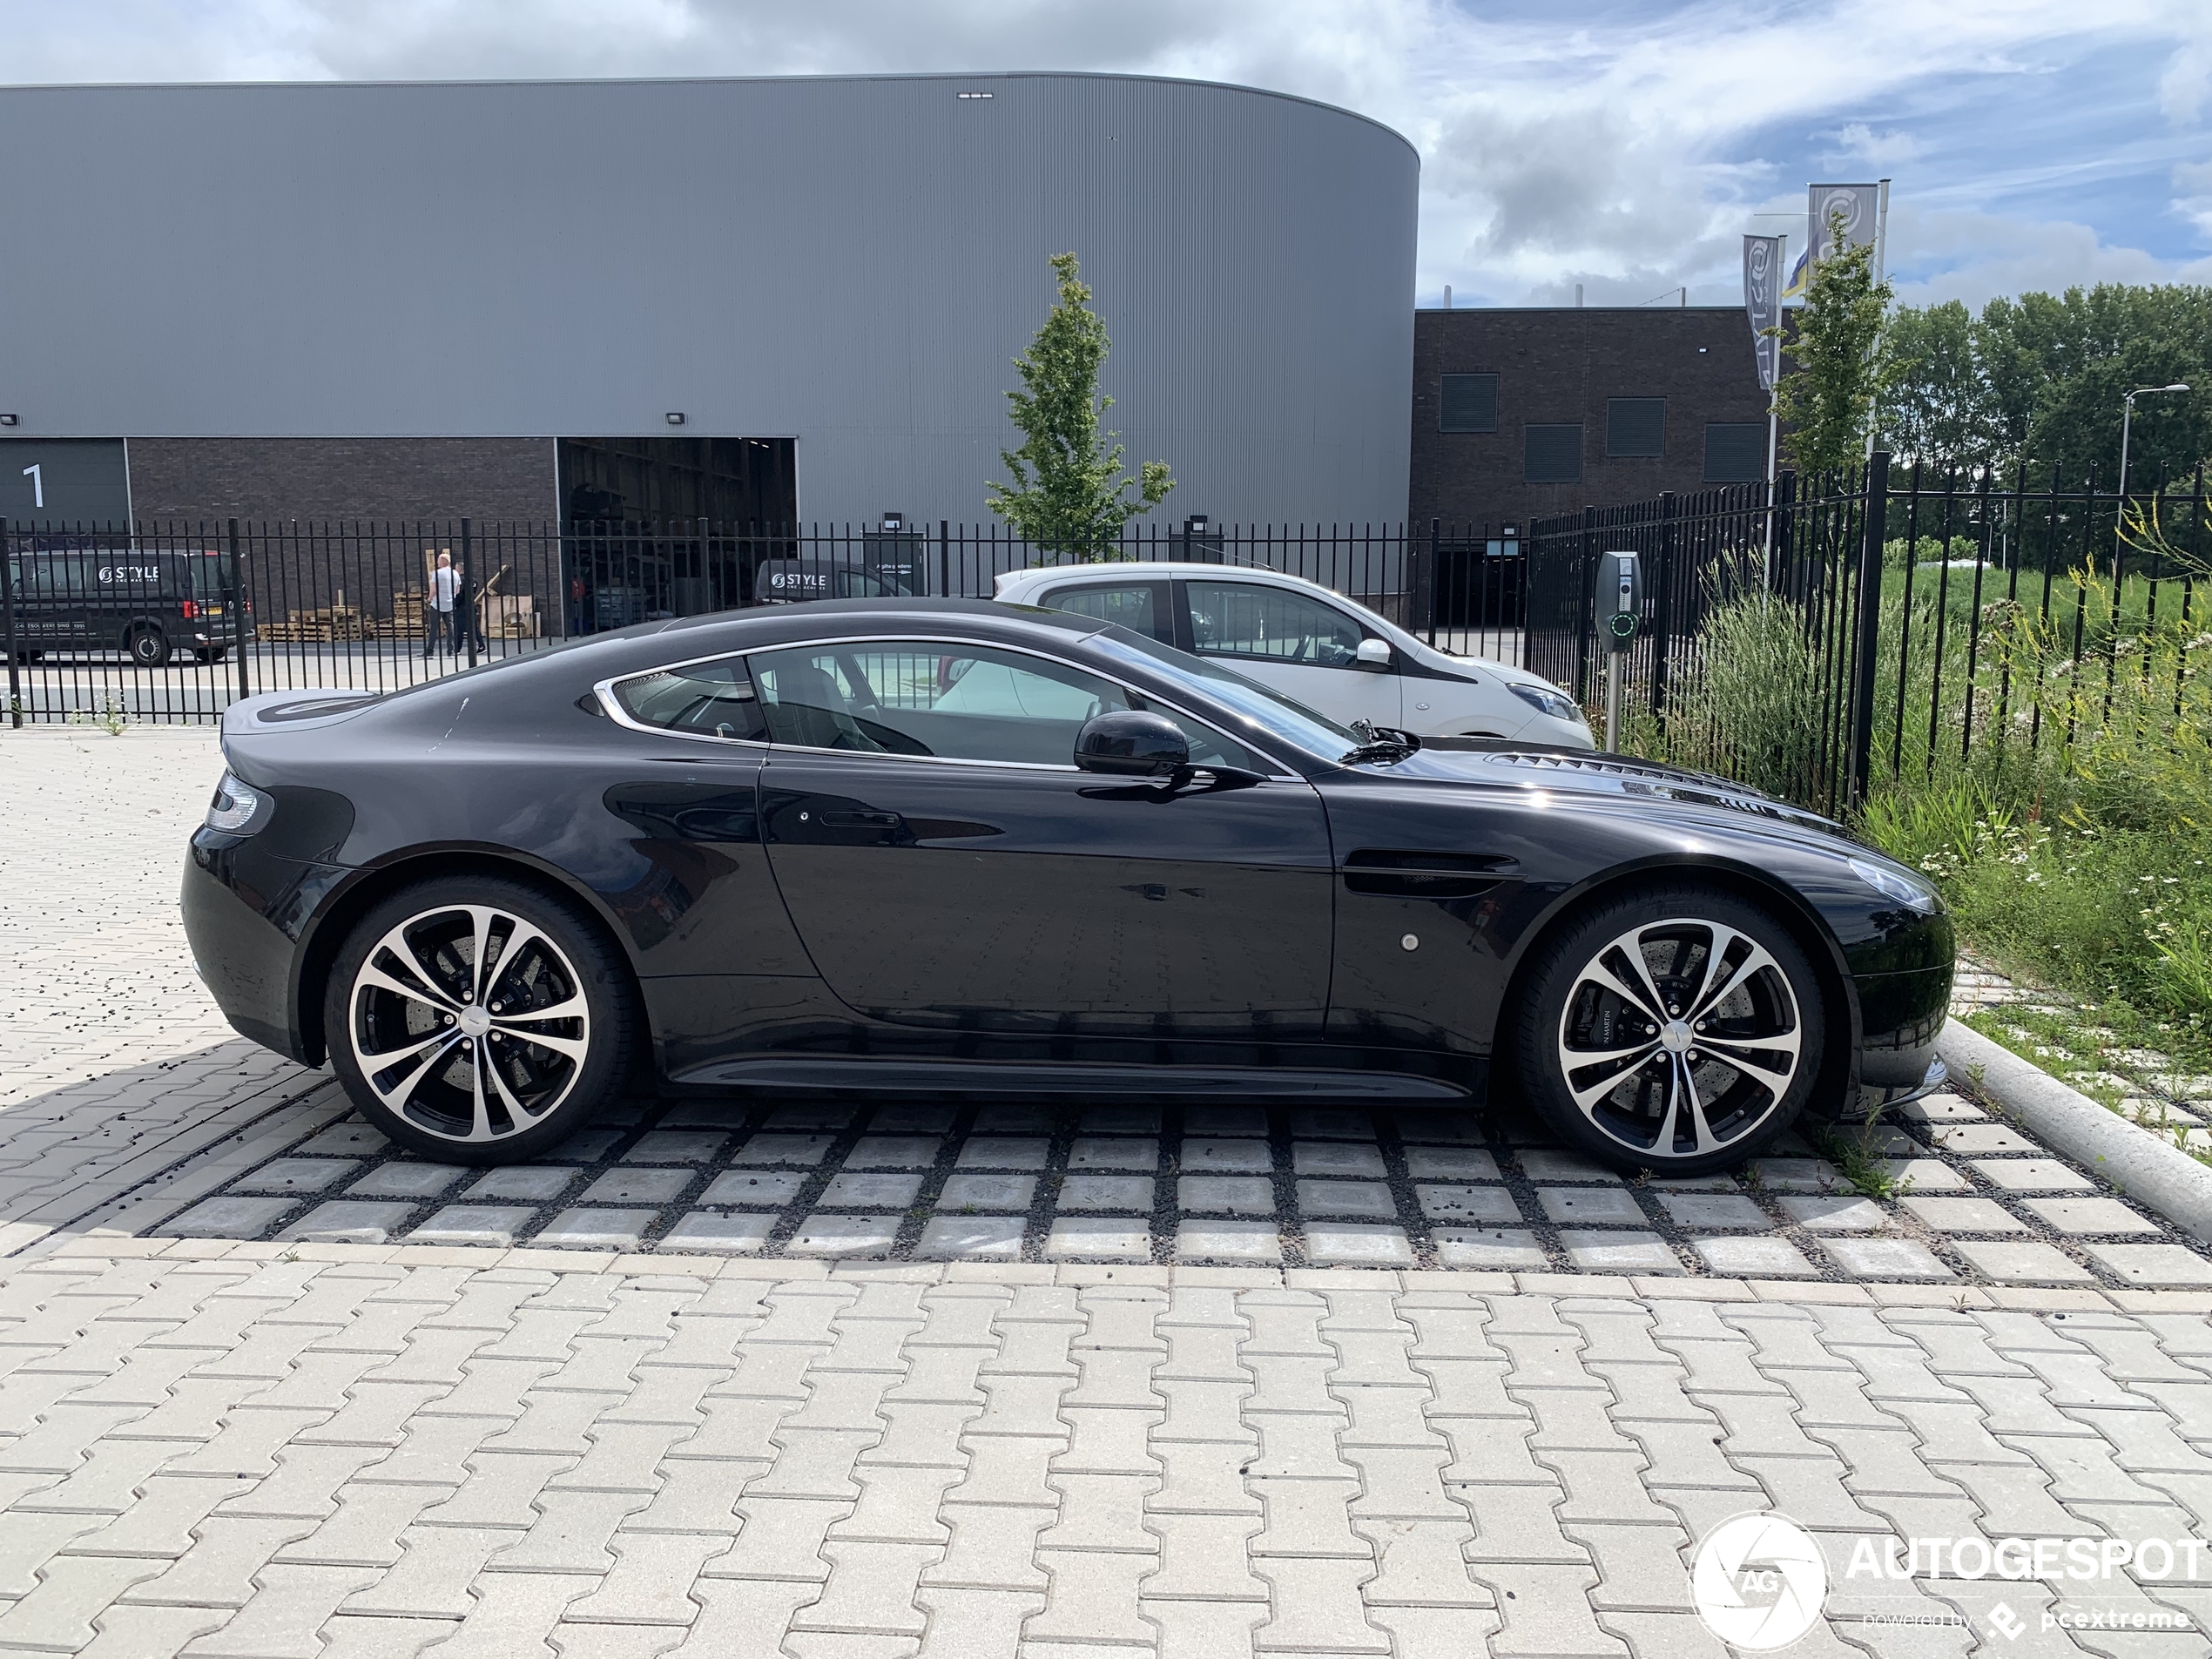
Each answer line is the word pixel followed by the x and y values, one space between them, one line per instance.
pixel 1635 426
pixel 1469 403
pixel 1734 452
pixel 1552 455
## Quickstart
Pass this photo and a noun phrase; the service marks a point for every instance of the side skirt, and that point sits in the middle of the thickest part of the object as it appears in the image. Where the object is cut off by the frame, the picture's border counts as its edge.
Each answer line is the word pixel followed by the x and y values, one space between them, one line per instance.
pixel 988 1077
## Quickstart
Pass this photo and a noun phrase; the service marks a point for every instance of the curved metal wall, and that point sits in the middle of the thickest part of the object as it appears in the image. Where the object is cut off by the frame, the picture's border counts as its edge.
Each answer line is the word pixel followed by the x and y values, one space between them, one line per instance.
pixel 848 261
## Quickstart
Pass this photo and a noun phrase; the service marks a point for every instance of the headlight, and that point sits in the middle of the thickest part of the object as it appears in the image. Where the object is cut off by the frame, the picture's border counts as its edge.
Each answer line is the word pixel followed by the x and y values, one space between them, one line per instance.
pixel 1895 884
pixel 1545 700
pixel 236 809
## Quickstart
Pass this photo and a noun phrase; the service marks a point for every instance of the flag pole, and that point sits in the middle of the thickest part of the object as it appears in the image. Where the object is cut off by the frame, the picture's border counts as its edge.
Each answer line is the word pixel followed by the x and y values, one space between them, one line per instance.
pixel 1773 419
pixel 1881 270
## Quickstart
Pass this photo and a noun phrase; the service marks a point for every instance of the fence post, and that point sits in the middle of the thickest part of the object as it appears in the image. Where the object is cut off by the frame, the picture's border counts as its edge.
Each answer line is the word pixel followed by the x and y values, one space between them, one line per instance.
pixel 239 611
pixel 1585 601
pixel 1663 620
pixel 7 627
pixel 471 618
pixel 1874 529
pixel 1423 595
pixel 944 559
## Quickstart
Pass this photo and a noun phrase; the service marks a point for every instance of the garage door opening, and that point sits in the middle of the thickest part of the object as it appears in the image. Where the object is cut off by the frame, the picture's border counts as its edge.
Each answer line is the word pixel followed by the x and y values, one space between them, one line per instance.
pixel 670 527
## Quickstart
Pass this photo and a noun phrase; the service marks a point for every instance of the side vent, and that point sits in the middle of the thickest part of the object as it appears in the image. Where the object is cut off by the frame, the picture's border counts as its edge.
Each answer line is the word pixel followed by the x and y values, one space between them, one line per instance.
pixel 1424 875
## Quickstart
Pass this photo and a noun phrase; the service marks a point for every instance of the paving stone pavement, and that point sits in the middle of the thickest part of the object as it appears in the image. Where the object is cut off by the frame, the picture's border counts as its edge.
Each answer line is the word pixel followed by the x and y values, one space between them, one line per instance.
pixel 236 1451
pixel 651 1397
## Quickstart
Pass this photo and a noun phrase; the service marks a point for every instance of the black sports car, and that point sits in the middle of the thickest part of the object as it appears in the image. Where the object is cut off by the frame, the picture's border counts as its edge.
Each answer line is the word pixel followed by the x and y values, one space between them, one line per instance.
pixel 945 846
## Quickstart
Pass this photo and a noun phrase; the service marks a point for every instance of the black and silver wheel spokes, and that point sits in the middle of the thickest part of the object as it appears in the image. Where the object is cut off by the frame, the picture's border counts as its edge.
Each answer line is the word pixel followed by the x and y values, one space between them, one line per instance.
pixel 469 1022
pixel 1679 1037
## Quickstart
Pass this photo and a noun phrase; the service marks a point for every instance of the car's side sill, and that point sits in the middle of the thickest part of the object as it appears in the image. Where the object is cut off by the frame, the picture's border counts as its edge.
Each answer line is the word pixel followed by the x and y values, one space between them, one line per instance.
pixel 987 1077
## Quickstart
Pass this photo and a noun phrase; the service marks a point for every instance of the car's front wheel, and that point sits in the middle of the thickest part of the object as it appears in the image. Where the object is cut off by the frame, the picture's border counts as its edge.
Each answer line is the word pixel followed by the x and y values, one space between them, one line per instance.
pixel 478 1019
pixel 1677 1030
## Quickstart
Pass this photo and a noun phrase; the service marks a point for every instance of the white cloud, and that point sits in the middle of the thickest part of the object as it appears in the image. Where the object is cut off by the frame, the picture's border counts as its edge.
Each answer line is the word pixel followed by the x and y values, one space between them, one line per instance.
pixel 1975 257
pixel 2186 82
pixel 1623 147
pixel 1856 141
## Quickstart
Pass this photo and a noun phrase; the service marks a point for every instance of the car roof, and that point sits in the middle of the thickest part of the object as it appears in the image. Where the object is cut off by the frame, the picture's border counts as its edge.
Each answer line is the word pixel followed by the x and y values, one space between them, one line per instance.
pixel 1154 568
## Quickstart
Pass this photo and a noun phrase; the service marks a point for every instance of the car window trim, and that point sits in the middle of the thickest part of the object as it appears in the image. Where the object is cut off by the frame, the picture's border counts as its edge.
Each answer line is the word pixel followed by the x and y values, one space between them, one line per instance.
pixel 603 690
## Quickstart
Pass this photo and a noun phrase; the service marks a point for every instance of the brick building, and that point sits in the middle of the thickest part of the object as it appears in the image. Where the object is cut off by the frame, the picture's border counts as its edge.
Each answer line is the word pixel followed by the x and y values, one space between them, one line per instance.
pixel 1518 414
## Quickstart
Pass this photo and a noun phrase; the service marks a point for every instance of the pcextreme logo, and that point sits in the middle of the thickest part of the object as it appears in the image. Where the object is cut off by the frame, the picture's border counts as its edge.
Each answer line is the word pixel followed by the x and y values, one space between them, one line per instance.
pixel 1758 1581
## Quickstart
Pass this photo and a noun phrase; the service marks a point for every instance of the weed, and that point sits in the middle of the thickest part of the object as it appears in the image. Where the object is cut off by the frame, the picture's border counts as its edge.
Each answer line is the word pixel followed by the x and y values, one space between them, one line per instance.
pixel 1861 1165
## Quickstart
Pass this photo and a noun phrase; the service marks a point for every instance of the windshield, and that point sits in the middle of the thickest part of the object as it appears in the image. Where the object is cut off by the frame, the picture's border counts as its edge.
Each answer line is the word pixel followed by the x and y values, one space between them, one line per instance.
pixel 1269 710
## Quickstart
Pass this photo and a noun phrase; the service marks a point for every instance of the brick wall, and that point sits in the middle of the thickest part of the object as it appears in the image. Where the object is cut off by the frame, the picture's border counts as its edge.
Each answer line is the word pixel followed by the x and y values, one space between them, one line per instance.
pixel 318 479
pixel 1560 366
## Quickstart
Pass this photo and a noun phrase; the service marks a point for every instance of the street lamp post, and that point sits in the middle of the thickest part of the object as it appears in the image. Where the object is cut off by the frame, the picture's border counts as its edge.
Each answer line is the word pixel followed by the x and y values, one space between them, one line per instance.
pixel 2127 423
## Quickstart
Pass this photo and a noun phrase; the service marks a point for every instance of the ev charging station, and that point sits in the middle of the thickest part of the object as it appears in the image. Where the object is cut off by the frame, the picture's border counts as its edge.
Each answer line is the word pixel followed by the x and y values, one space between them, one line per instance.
pixel 1619 610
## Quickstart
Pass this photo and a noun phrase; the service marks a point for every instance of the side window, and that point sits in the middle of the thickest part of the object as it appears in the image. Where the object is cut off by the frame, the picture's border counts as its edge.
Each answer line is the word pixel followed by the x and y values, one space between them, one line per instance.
pixel 1235 619
pixel 956 703
pixel 1135 605
pixel 706 699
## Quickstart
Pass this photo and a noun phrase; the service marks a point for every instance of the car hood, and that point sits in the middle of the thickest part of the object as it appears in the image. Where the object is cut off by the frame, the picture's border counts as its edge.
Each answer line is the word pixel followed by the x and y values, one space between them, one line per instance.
pixel 1638 784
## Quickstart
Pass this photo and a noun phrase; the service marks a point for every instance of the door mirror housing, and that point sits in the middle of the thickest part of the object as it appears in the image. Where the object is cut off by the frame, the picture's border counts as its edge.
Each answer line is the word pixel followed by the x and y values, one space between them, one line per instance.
pixel 1373 653
pixel 1130 743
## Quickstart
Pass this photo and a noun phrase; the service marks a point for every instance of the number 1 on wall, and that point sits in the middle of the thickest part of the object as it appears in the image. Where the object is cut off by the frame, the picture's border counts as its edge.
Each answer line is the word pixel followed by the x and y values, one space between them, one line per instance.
pixel 37 476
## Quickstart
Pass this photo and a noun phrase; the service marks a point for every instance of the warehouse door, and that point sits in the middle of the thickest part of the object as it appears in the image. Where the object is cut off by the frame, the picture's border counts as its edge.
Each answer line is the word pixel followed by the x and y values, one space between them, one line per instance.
pixel 670 527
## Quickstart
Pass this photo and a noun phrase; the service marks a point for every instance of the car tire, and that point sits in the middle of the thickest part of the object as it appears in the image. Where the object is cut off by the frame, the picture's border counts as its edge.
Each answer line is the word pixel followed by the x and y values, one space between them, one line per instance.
pixel 496 1084
pixel 147 645
pixel 1704 1071
pixel 208 655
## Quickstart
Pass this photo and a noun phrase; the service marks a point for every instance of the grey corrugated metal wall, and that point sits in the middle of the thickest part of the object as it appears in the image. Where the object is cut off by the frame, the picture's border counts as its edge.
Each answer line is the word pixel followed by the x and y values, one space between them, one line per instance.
pixel 848 261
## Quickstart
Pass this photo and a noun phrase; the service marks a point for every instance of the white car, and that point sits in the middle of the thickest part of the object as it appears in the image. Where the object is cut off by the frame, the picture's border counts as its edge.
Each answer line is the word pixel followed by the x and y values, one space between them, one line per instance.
pixel 1311 644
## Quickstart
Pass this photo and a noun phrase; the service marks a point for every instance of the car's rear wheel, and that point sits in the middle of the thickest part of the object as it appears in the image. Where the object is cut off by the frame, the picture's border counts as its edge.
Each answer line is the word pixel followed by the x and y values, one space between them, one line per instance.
pixel 478 1019
pixel 210 653
pixel 148 645
pixel 1677 1030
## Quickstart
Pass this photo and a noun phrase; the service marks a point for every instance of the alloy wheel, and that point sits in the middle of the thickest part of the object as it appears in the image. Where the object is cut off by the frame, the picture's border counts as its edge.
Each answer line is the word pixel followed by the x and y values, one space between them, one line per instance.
pixel 1679 1038
pixel 469 1022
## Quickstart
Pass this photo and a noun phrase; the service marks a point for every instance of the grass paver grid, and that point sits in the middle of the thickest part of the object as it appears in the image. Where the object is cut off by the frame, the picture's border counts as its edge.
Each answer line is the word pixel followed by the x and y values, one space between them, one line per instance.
pixel 1289 1186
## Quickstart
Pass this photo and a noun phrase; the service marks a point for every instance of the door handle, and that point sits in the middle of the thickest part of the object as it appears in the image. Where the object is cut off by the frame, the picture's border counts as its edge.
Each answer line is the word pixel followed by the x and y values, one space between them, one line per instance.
pixel 860 820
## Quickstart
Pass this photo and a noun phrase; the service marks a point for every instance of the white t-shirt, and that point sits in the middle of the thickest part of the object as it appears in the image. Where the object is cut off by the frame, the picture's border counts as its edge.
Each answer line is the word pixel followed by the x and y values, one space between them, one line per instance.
pixel 445 581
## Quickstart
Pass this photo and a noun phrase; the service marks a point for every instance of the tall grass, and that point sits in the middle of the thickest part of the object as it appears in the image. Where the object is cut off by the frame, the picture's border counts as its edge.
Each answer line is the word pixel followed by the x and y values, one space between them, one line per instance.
pixel 2051 772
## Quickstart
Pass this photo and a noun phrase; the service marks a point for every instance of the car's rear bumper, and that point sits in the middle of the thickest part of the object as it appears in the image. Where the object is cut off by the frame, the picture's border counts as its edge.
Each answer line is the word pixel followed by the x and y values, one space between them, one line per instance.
pixel 243 914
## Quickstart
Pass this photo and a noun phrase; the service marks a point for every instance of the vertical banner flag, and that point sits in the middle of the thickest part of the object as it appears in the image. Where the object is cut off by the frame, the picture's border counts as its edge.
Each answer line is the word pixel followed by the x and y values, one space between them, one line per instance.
pixel 1763 302
pixel 1859 207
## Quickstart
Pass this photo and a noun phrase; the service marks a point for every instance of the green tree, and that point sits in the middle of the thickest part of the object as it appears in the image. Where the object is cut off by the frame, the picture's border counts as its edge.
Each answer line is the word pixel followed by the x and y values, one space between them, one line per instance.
pixel 1838 368
pixel 1069 496
pixel 2057 367
pixel 1938 409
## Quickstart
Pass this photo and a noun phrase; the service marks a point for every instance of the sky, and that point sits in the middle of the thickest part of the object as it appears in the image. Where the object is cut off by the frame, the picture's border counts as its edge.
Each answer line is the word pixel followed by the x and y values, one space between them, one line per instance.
pixel 2033 143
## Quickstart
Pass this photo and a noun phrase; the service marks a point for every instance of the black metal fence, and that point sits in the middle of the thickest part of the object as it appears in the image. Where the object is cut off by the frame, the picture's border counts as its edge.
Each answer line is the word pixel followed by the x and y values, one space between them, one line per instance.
pixel 170 622
pixel 1867 624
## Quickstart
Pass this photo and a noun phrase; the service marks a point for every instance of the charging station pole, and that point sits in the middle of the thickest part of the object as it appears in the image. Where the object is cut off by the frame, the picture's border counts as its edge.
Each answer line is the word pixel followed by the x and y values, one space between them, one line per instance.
pixel 1619 602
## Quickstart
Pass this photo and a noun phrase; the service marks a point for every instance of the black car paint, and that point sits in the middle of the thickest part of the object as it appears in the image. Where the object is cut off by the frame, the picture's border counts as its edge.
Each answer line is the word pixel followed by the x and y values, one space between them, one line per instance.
pixel 1361 920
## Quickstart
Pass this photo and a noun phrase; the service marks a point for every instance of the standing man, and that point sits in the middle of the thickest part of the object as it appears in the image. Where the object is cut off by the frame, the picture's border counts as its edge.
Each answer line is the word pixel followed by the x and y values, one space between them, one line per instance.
pixel 437 615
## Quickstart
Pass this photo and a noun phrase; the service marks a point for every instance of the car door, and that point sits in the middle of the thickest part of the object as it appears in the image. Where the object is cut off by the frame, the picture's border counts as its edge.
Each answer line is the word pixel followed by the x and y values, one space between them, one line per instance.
pixel 948 865
pixel 1301 645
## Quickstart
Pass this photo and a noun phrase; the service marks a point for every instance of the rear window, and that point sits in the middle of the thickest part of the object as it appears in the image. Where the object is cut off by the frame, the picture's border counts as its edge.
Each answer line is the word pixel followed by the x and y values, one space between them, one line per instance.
pixel 211 574
pixel 706 699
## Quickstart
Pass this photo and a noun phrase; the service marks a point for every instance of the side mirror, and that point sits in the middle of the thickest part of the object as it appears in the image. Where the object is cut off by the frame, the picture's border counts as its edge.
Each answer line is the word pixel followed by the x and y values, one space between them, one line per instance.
pixel 1373 653
pixel 1130 744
